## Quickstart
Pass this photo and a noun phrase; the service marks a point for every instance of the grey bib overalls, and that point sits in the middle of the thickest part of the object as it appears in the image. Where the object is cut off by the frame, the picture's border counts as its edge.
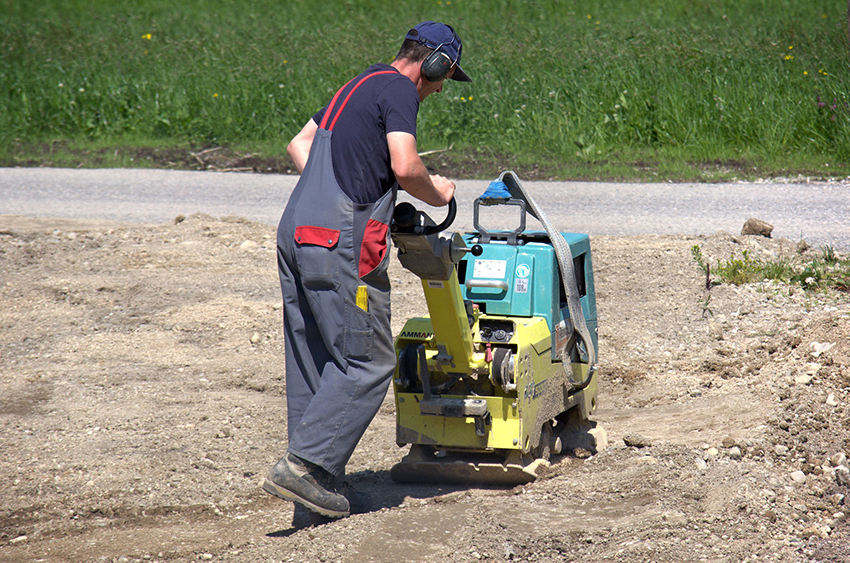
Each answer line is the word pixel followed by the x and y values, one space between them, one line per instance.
pixel 339 357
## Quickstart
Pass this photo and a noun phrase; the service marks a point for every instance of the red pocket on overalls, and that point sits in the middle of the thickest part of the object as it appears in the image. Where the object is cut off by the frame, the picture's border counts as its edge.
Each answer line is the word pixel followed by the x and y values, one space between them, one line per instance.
pixel 320 236
pixel 316 256
pixel 374 246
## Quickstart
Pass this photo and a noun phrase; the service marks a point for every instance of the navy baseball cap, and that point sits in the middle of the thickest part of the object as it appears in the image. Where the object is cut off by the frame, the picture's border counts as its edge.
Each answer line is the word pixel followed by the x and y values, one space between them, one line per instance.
pixel 442 37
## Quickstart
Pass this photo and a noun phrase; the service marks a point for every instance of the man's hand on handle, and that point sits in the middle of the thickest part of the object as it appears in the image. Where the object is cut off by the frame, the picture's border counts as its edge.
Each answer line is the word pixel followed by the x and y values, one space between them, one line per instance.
pixel 443 185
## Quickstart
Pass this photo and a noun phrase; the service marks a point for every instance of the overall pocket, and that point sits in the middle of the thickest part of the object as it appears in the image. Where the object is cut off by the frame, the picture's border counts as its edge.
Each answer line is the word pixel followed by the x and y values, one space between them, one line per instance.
pixel 359 332
pixel 315 253
pixel 373 250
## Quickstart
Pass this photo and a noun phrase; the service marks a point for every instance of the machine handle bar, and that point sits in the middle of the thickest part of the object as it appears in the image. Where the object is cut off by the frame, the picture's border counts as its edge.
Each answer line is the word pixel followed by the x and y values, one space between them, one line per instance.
pixel 450 217
pixel 490 284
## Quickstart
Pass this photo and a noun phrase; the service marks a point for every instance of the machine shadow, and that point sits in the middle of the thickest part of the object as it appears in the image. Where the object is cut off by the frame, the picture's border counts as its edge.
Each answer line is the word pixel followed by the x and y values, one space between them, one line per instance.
pixel 379 492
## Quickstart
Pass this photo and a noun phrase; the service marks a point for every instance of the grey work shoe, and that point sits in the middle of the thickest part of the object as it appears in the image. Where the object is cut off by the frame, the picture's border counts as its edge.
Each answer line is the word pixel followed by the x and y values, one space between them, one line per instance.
pixel 300 481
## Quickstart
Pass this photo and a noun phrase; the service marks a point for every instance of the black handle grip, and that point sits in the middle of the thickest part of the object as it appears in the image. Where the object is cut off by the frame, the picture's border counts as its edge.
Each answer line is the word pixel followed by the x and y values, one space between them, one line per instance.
pixel 450 217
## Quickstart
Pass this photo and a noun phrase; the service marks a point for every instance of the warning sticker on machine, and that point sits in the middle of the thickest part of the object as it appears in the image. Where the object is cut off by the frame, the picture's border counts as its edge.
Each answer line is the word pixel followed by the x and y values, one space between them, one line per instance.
pixel 435 284
pixel 521 285
pixel 490 269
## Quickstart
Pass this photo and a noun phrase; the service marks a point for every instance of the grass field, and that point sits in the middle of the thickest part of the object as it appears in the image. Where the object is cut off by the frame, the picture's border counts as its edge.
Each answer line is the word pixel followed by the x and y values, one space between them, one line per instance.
pixel 583 89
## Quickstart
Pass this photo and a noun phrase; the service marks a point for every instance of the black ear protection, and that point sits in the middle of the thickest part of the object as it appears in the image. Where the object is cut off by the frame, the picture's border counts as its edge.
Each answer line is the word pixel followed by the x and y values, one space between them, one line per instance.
pixel 437 66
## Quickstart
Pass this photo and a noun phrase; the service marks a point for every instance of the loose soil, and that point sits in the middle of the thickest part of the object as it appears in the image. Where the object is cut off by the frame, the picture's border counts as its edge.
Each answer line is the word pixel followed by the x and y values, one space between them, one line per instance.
pixel 142 400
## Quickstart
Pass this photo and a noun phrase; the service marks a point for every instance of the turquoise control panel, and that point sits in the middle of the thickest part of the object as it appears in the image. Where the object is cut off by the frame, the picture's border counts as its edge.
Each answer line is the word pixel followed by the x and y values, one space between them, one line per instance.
pixel 524 280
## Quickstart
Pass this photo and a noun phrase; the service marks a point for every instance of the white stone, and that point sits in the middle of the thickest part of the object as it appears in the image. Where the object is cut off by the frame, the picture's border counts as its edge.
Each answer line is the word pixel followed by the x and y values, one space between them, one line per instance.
pixel 821 347
pixel 803 379
pixel 798 477
pixel 675 517
pixel 830 400
pixel 812 368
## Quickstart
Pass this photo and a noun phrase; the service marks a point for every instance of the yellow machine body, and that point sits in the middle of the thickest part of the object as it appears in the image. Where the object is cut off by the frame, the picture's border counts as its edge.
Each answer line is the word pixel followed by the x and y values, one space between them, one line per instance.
pixel 514 415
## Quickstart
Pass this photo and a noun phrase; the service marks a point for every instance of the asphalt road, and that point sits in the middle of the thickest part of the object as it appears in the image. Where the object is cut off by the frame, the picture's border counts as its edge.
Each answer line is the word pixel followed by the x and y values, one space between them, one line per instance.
pixel 818 213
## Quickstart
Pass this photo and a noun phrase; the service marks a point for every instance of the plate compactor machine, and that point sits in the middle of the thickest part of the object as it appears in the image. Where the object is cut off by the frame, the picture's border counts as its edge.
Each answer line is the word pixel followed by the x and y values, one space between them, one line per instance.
pixel 501 373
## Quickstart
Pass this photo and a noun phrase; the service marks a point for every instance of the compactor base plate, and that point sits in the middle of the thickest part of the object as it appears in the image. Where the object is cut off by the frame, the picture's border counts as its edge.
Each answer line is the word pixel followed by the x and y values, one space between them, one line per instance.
pixel 426 465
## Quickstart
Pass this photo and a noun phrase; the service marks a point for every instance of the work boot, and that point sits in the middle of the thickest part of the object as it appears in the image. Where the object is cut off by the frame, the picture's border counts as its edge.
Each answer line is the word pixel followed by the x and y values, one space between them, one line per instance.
pixel 300 481
pixel 359 501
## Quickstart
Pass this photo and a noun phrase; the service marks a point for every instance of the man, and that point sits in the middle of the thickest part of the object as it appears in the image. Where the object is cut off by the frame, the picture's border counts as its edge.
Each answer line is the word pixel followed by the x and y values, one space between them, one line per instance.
pixel 333 252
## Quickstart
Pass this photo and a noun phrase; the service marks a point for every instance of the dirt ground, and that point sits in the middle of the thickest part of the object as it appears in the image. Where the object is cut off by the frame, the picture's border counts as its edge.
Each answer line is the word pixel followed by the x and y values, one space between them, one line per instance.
pixel 142 402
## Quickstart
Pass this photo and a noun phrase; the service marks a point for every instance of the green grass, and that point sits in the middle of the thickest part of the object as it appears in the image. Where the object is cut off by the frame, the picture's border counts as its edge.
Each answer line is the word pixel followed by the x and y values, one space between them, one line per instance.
pixel 660 89
pixel 827 271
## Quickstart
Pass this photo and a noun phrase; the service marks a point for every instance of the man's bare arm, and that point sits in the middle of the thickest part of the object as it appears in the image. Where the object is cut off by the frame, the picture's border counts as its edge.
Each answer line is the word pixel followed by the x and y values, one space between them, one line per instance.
pixel 411 173
pixel 299 147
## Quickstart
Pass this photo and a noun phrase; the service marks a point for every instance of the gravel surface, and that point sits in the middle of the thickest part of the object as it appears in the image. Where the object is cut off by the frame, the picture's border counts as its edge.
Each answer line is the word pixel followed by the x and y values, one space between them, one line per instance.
pixel 142 402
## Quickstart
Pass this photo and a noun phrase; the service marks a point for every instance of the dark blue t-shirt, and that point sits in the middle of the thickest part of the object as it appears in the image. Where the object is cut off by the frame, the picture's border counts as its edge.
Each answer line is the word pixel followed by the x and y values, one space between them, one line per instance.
pixel 382 104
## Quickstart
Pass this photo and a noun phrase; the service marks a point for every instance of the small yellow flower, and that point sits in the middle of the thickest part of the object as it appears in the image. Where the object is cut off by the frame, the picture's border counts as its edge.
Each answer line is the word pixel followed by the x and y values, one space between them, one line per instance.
pixel 589 17
pixel 470 98
pixel 790 46
pixel 805 73
pixel 789 57
pixel 147 36
pixel 215 95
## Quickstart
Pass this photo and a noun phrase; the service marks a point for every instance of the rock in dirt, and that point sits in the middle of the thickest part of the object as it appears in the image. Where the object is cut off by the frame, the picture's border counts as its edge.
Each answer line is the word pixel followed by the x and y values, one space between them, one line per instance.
pixel 842 475
pixel 757 227
pixel 812 369
pixel 798 477
pixel 637 441
pixel 803 379
pixel 675 517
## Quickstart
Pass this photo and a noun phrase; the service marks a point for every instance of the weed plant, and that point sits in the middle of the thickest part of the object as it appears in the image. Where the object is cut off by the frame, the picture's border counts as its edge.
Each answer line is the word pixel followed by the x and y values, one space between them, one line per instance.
pixel 827 271
pixel 570 81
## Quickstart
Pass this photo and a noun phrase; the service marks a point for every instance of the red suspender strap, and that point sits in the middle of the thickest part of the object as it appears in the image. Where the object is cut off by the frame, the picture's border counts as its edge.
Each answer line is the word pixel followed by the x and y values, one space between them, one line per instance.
pixel 331 105
pixel 348 97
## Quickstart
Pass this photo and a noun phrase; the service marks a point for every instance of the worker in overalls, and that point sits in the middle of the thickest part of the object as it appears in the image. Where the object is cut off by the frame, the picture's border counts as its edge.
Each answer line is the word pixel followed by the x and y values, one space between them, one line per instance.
pixel 333 252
